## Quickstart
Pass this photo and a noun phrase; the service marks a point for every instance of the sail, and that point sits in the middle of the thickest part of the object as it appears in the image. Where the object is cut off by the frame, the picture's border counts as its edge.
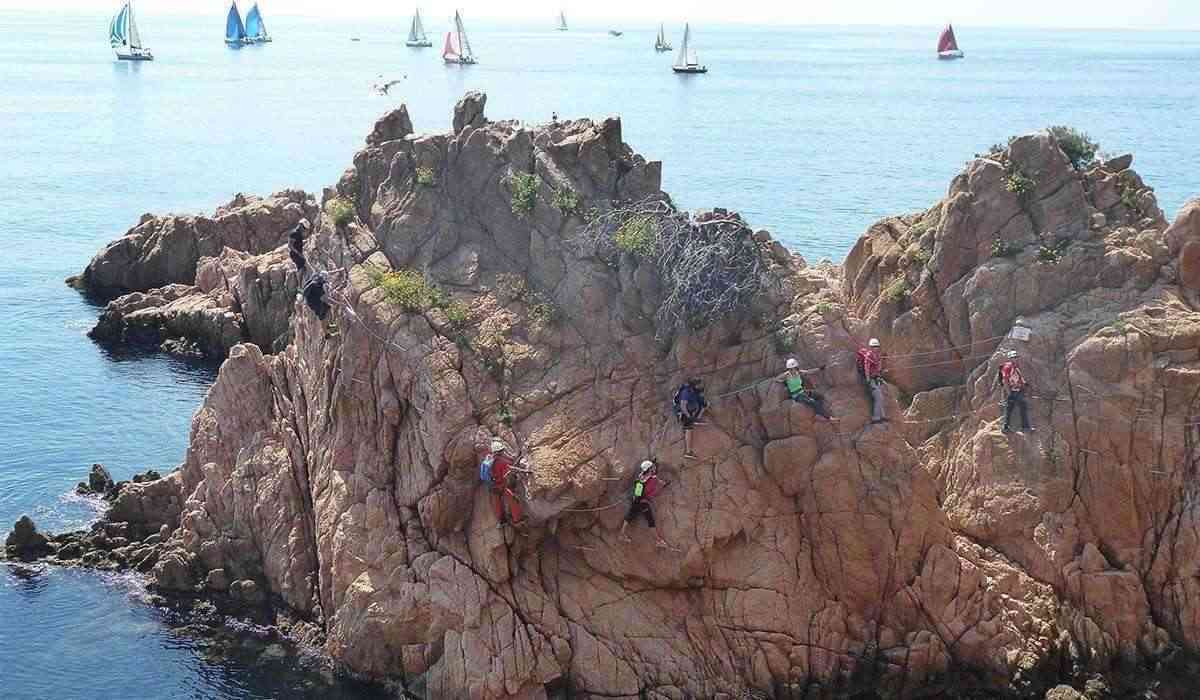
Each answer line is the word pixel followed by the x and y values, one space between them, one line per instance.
pixel 235 31
pixel 116 28
pixel 135 39
pixel 661 40
pixel 463 44
pixel 562 21
pixel 692 58
pixel 255 27
pixel 419 27
pixel 947 42
pixel 450 50
pixel 681 59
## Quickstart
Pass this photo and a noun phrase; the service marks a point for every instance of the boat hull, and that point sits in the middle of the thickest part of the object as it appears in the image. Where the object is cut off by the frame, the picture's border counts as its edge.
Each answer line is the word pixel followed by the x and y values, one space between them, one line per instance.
pixel 690 69
pixel 663 49
pixel 949 55
pixel 418 44
pixel 460 61
pixel 143 56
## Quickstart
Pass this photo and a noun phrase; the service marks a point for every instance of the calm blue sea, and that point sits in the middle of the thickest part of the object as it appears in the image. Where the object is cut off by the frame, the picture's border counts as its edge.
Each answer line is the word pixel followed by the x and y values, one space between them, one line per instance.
pixel 813 133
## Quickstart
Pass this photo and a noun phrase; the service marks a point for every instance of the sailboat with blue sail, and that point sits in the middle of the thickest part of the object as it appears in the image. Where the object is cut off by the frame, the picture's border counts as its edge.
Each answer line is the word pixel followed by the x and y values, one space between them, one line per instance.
pixel 124 38
pixel 256 29
pixel 235 31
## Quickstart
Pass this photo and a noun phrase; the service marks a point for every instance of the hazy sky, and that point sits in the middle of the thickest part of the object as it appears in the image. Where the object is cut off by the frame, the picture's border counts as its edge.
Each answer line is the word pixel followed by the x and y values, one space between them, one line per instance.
pixel 1147 14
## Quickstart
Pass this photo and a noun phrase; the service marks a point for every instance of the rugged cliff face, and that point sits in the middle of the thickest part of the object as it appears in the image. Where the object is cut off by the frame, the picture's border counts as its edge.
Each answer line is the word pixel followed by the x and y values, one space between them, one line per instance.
pixel 339 475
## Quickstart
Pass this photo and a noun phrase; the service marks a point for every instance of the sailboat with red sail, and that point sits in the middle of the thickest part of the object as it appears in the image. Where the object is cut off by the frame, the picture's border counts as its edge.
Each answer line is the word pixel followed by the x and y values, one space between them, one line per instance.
pixel 948 45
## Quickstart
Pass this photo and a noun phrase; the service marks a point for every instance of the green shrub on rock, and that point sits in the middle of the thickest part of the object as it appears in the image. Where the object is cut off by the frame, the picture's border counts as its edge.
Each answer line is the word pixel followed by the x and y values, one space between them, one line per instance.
pixel 637 236
pixel 1079 149
pixel 524 192
pixel 341 210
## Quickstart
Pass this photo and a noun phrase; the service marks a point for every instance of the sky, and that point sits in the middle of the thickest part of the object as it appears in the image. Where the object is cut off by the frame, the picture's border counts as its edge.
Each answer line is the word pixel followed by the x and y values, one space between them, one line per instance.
pixel 1139 14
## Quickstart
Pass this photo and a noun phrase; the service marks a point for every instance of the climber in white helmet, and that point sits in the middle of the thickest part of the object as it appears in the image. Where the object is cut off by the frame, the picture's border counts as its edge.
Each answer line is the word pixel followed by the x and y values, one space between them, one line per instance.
pixel 870 369
pixel 798 390
pixel 1013 381
pixel 645 487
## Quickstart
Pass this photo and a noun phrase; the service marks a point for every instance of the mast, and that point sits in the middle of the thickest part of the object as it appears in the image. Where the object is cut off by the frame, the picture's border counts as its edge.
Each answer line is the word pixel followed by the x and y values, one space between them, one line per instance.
pixel 412 31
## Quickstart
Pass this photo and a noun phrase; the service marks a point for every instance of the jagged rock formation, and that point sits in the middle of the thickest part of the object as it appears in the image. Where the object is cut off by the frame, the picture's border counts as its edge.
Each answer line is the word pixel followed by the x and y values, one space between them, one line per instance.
pixel 337 477
pixel 214 281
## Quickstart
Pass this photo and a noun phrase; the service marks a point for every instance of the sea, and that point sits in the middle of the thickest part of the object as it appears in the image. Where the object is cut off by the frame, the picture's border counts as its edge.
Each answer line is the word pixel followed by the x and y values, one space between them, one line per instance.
pixel 810 132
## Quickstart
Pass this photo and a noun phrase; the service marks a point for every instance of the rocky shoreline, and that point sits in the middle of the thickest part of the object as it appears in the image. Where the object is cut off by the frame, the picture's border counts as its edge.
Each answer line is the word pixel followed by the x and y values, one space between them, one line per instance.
pixel 536 285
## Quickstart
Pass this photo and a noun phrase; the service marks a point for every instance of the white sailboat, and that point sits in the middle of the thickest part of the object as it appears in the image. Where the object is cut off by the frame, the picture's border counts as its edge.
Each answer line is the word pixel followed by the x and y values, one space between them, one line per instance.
pixel 417 38
pixel 562 21
pixel 687 61
pixel 458 49
pixel 661 44
pixel 124 38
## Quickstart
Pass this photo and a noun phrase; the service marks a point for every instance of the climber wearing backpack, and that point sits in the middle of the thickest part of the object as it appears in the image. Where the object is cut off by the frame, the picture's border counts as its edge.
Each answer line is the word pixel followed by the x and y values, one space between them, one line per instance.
pixel 1013 381
pixel 296 245
pixel 314 297
pixel 870 370
pixel 495 470
pixel 689 407
pixel 645 488
pixel 798 389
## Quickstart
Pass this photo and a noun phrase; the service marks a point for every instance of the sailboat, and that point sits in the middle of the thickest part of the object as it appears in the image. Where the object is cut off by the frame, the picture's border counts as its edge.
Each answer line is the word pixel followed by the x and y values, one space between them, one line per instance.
pixel 458 48
pixel 562 21
pixel 417 38
pixel 124 37
pixel 948 45
pixel 687 61
pixel 661 44
pixel 256 29
pixel 235 31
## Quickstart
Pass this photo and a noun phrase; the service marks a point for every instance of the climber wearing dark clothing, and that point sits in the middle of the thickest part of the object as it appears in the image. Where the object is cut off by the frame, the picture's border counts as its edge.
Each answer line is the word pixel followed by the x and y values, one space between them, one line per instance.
pixel 296 245
pixel 314 298
pixel 690 405
pixel 1013 381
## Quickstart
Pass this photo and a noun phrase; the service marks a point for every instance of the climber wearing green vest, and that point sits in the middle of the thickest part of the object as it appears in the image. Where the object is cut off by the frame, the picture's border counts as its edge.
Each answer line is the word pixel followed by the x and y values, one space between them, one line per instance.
pixel 645 488
pixel 798 390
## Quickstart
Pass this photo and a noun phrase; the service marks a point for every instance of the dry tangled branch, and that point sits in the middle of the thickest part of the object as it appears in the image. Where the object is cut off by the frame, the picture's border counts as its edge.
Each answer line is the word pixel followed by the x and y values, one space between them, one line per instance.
pixel 710 266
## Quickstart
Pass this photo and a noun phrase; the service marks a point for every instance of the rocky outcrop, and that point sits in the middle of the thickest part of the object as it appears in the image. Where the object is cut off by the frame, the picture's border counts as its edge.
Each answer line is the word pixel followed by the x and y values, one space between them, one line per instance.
pixel 335 482
pixel 25 542
pixel 202 284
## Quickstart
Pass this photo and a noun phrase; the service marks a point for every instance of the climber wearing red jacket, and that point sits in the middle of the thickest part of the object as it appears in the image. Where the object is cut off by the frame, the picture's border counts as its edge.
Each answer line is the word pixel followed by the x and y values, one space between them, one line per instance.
pixel 1013 381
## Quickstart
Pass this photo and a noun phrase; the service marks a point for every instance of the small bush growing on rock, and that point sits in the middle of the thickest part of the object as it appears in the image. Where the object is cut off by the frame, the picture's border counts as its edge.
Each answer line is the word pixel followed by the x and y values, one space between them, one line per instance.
pixel 897 291
pixel 824 307
pixel 511 285
pixel 1079 149
pixel 524 192
pixel 457 313
pixel 1129 197
pixel 1018 182
pixel 565 200
pixel 542 311
pixel 1003 249
pixel 425 177
pixel 920 256
pixel 918 229
pixel 1051 252
pixel 340 210
pixel 408 289
pixel 637 236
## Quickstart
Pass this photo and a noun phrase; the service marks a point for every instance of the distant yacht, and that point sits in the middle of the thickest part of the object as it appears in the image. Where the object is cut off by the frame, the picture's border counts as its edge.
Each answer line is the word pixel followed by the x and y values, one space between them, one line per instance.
pixel 256 29
pixel 458 48
pixel 661 43
pixel 417 38
pixel 615 32
pixel 235 31
pixel 948 45
pixel 562 21
pixel 124 37
pixel 687 61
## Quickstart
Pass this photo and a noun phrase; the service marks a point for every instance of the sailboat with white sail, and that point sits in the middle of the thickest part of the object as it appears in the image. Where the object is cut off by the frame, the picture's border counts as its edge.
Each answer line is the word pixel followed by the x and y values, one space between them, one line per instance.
pixel 417 38
pixel 661 44
pixel 688 61
pixel 562 21
pixel 235 31
pixel 458 49
pixel 124 38
pixel 948 44
pixel 256 29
